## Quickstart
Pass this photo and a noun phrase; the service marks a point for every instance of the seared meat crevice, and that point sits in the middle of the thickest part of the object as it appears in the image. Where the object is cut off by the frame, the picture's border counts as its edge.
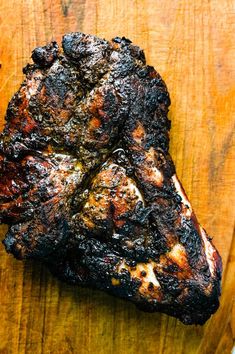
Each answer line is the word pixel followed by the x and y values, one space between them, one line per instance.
pixel 88 186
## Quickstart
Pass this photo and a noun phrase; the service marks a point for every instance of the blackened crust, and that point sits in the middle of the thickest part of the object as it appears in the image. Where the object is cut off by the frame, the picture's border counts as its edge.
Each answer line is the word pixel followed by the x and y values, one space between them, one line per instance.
pixel 88 186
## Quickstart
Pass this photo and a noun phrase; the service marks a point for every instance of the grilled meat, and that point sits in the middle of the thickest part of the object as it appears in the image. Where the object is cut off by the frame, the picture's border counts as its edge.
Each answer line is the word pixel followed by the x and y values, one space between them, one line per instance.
pixel 88 186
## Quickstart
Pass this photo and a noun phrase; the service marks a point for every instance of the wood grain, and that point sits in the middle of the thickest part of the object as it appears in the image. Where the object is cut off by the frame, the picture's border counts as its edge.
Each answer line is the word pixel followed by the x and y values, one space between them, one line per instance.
pixel 192 45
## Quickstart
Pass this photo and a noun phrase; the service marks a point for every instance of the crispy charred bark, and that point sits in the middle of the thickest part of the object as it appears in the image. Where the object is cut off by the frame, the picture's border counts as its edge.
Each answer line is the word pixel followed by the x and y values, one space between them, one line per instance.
pixel 88 186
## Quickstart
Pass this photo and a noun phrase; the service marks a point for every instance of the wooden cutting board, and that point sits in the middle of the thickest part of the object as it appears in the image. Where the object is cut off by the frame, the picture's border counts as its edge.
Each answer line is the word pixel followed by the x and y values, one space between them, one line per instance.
pixel 192 45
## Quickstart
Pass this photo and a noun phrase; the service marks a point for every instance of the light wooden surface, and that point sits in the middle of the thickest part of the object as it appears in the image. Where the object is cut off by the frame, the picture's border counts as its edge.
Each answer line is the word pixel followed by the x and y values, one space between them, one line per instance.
pixel 192 45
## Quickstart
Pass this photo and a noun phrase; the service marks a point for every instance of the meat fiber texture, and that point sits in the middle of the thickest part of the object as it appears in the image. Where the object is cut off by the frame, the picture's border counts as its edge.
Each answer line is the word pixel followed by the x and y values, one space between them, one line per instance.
pixel 88 187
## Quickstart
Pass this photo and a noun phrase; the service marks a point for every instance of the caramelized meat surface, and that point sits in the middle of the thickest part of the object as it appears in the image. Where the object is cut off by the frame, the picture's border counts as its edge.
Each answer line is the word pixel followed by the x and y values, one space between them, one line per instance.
pixel 88 186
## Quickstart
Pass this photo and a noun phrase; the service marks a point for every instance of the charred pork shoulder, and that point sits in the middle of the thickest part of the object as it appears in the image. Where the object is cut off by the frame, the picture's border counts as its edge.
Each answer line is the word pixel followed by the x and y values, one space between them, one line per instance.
pixel 87 184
